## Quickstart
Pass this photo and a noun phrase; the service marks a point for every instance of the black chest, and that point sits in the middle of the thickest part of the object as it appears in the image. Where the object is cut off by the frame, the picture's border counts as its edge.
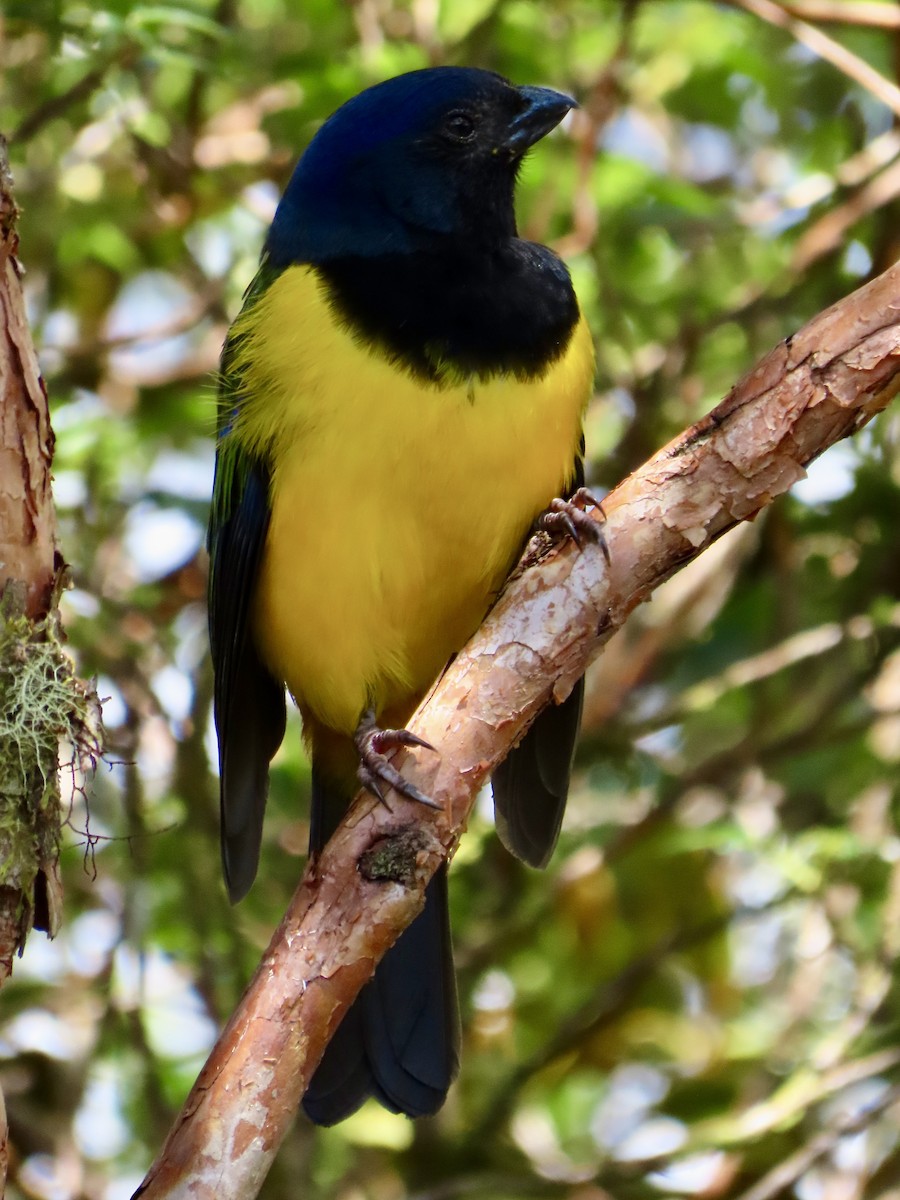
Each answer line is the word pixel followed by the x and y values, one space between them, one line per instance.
pixel 446 316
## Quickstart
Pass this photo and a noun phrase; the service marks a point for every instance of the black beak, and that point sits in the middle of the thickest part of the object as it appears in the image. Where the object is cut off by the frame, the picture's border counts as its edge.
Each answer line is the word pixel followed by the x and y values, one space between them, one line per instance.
pixel 543 111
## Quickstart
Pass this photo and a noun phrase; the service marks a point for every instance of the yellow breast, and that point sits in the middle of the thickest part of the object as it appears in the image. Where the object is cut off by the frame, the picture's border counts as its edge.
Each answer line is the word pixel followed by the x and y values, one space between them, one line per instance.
pixel 397 507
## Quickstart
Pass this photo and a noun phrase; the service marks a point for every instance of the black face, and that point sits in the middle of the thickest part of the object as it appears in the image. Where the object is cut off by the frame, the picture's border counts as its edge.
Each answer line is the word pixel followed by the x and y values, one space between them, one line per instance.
pixel 497 126
pixel 456 173
pixel 474 136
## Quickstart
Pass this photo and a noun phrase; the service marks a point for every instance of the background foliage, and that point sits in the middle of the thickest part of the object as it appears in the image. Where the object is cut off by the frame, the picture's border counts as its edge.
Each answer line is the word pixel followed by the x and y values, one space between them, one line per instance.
pixel 698 997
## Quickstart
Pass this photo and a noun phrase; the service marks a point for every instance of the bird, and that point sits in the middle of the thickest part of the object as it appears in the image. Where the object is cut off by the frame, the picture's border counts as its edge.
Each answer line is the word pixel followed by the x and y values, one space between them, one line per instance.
pixel 400 398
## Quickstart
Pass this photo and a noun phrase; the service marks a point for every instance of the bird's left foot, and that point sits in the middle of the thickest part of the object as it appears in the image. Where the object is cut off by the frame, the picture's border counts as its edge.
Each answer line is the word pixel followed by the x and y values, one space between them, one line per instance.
pixel 569 518
pixel 373 744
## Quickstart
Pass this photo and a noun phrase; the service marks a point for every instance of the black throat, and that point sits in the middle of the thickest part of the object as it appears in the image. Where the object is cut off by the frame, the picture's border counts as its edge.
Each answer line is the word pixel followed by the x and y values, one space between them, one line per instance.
pixel 449 316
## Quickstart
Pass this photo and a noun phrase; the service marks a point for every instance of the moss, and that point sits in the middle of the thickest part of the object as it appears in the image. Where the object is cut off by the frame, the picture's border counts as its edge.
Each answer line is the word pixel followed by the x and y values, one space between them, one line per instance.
pixel 42 704
pixel 394 858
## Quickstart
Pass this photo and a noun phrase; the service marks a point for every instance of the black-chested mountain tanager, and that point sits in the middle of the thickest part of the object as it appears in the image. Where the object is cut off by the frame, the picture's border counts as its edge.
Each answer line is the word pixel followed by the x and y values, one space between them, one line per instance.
pixel 401 396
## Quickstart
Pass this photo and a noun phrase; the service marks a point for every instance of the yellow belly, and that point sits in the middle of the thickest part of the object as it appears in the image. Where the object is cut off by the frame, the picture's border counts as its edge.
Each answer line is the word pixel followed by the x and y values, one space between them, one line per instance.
pixel 397 507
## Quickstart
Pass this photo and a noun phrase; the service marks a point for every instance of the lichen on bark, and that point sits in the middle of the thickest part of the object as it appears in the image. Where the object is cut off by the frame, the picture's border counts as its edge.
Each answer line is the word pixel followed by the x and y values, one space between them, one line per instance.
pixel 43 705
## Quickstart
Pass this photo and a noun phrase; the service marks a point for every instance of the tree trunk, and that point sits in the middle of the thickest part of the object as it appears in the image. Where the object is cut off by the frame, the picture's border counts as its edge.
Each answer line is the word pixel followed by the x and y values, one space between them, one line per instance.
pixel 35 675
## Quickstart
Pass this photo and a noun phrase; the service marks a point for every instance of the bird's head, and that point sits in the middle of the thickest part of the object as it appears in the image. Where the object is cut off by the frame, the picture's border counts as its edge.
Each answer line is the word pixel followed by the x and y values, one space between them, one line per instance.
pixel 420 160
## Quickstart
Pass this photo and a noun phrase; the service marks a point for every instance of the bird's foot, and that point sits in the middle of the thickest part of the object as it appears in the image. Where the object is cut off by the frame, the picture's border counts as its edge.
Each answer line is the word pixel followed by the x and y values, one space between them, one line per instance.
pixel 565 519
pixel 569 518
pixel 373 744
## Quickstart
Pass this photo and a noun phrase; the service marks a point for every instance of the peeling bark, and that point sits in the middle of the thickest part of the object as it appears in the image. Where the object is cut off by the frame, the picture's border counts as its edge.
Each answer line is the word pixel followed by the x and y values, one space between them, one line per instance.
pixel 810 391
pixel 27 516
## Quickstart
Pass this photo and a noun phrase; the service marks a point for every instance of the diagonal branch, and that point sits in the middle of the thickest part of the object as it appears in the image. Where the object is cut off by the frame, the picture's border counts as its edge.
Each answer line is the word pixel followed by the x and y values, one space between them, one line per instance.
pixel 875 14
pixel 811 390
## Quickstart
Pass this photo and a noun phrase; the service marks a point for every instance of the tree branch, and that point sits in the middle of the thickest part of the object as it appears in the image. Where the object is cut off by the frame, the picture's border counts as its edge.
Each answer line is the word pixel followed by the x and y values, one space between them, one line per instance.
pixel 872 13
pixel 556 613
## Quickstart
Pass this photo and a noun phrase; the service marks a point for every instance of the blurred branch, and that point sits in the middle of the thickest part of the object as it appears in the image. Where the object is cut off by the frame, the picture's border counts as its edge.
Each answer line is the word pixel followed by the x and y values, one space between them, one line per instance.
pixel 846 12
pixel 853 172
pixel 558 610
pixel 791 1102
pixel 757 747
pixel 823 718
pixel 683 608
pixel 56 106
pixel 872 171
pixel 808 644
pixel 203 305
pixel 224 16
pixel 790 1105
pixel 780 1178
pixel 825 47
pixel 600 1011
pixel 491 1183
pixel 603 1009
pixel 598 108
pixel 830 231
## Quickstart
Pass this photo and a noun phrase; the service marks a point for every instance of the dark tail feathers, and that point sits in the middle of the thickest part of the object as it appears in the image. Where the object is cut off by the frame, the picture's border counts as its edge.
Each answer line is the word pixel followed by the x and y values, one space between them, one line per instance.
pixel 400 1040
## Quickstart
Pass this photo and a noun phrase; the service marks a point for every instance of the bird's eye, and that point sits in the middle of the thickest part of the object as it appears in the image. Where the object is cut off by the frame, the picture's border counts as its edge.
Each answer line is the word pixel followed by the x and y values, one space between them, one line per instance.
pixel 459 127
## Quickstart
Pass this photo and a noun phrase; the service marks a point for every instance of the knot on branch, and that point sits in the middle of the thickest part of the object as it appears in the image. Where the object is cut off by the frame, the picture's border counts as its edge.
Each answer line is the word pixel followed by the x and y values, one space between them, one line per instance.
pixel 394 857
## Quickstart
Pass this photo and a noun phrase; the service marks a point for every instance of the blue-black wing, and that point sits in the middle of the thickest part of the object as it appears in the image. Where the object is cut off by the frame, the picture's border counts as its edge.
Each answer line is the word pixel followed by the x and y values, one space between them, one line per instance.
pixel 532 785
pixel 249 702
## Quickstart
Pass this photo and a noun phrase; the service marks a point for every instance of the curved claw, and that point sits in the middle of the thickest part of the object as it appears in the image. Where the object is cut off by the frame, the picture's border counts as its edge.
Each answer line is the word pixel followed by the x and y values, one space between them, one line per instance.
pixel 372 745
pixel 403 737
pixel 568 518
